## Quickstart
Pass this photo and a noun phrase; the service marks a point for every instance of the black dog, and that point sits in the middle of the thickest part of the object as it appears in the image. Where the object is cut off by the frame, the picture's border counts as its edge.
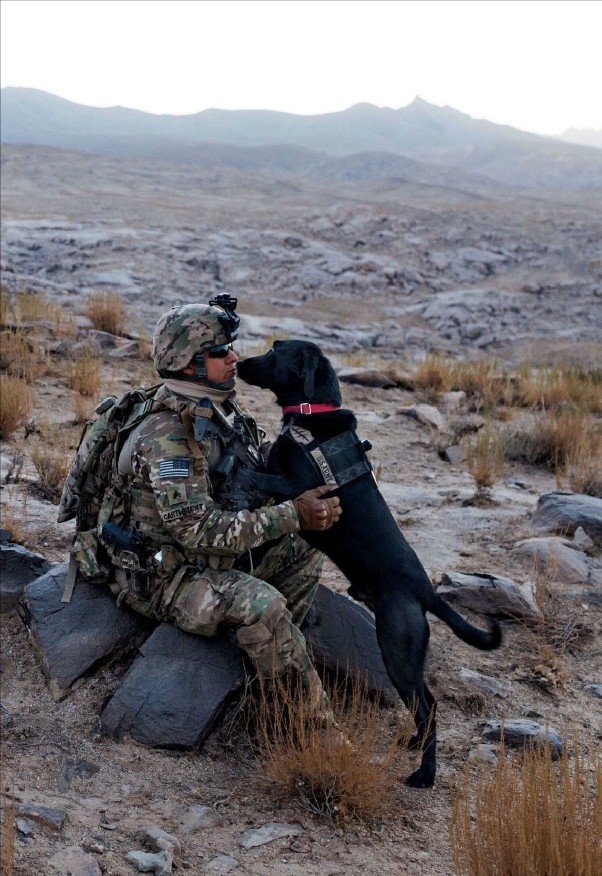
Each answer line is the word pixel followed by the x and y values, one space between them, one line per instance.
pixel 318 445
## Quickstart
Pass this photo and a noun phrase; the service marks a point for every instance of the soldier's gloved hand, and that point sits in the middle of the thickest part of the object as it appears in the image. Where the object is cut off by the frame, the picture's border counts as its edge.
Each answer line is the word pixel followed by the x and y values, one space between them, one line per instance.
pixel 316 512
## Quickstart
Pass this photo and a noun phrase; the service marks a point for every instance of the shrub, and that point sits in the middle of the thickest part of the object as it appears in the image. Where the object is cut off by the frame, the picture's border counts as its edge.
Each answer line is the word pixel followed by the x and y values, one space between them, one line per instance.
pixel 485 386
pixel 106 311
pixel 530 817
pixel 300 760
pixel 583 468
pixel 84 374
pixel 551 439
pixel 17 402
pixel 52 461
pixel 434 375
pixel 485 461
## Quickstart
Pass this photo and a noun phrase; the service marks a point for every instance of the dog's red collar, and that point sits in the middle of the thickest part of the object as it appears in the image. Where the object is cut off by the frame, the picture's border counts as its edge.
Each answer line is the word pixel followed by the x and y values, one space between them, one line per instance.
pixel 309 408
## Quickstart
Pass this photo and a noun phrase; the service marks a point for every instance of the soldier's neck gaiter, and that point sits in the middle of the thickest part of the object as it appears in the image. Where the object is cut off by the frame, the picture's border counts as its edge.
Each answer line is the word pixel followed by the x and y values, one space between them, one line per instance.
pixel 197 391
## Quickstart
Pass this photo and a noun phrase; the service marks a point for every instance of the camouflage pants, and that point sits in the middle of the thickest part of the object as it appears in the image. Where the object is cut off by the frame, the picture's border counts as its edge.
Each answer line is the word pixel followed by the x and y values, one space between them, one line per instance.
pixel 265 609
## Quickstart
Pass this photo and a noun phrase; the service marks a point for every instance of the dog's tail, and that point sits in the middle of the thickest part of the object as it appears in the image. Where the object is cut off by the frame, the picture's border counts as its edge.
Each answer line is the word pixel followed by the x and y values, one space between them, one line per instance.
pixel 486 641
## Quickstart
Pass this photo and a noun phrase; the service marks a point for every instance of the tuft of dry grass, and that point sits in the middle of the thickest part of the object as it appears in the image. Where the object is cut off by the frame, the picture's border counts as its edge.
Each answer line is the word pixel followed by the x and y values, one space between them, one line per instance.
pixel 552 438
pixel 434 375
pixel 554 388
pixel 485 385
pixel 583 467
pixel 485 461
pixel 302 761
pixel 84 374
pixel 17 400
pixel 14 515
pixel 530 817
pixel 52 460
pixel 83 409
pixel 7 829
pixel 23 354
pixel 107 312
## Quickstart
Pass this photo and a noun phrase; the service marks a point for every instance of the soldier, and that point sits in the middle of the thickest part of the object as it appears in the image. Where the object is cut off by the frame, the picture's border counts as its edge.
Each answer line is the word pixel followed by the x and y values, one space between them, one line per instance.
pixel 210 562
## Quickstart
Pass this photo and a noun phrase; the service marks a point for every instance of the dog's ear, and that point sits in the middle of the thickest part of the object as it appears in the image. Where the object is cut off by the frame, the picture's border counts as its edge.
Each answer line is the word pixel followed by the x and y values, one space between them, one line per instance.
pixel 309 365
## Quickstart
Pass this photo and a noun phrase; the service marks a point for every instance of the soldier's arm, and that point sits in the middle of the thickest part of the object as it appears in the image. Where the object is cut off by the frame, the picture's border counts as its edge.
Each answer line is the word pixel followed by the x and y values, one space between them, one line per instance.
pixel 182 493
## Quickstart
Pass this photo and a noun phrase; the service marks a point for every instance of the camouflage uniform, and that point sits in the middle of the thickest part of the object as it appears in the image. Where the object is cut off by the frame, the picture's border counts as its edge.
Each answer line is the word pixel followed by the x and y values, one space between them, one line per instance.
pixel 197 546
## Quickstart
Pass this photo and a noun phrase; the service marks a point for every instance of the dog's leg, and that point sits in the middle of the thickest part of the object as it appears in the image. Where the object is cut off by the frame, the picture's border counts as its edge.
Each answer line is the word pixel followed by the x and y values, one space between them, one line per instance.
pixel 403 635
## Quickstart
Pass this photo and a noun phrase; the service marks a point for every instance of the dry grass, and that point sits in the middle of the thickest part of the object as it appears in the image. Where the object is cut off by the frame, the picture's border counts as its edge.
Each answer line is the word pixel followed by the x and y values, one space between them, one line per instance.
pixel 434 375
pixel 83 409
pixel 17 400
pixel 485 384
pixel 530 817
pixel 583 468
pixel 52 459
pixel 84 374
pixel 24 354
pixel 107 312
pixel 485 461
pixel 553 388
pixel 14 515
pixel 553 438
pixel 7 829
pixel 301 761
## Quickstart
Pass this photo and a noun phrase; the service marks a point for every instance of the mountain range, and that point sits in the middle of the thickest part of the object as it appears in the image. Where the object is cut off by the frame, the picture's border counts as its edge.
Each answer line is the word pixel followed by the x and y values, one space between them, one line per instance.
pixel 363 142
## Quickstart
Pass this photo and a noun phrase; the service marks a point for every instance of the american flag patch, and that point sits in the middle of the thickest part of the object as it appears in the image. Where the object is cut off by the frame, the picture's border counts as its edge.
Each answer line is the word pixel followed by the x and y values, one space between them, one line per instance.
pixel 174 468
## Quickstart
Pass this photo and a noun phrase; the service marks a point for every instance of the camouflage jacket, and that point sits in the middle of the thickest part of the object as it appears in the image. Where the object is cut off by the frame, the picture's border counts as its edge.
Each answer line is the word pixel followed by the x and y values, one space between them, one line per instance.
pixel 170 495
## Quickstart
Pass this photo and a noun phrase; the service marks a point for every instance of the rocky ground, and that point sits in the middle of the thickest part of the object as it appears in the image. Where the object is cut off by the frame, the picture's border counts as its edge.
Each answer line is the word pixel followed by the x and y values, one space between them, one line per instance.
pixel 377 278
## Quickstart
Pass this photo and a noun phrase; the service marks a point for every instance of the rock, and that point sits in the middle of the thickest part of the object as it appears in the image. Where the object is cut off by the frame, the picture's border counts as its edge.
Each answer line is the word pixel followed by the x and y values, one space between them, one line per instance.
pixel 582 540
pixel 83 769
pixel 222 865
pixel 126 351
pixel 566 512
pixel 560 560
pixel 341 637
pixel 6 535
pixel 70 639
pixel 199 817
pixel 484 753
pixel 595 689
pixel 453 400
pixel 365 377
pixel 74 861
pixel 159 863
pixel 158 840
pixel 18 567
pixel 496 686
pixel 490 594
pixel 271 831
pixel 455 454
pixel 522 733
pixel 425 414
pixel 45 815
pixel 176 691
pixel 25 826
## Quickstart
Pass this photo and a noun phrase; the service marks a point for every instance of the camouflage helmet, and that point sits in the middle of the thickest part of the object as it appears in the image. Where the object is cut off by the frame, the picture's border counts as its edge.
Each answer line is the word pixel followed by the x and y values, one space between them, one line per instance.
pixel 183 332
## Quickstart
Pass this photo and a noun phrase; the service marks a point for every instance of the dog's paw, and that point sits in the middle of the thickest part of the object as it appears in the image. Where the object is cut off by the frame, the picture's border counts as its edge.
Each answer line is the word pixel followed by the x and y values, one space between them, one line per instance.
pixel 423 777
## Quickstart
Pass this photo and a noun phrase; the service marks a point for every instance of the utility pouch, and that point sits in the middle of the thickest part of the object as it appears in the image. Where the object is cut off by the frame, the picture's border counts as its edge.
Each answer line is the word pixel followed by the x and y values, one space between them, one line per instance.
pixel 85 549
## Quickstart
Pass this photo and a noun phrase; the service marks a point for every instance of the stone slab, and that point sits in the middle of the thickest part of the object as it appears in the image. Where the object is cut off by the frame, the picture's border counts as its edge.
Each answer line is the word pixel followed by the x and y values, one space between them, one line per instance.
pixel 72 639
pixel 341 637
pixel 565 512
pixel 18 567
pixel 176 691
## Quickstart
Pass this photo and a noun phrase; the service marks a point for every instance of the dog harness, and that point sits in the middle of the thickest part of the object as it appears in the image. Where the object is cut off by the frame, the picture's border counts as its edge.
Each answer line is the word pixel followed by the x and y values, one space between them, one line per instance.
pixel 337 461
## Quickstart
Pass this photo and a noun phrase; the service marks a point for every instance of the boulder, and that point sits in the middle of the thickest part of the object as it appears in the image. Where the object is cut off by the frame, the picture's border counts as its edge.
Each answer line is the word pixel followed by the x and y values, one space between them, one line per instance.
pixel 341 637
pixel 561 561
pixel 176 691
pixel 523 733
pixel 490 594
pixel 425 414
pixel 71 639
pixel 365 377
pixel 564 512
pixel 18 567
pixel 178 688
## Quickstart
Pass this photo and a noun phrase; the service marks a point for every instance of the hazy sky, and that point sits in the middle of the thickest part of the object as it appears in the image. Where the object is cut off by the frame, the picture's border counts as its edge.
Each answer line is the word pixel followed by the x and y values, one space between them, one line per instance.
pixel 534 65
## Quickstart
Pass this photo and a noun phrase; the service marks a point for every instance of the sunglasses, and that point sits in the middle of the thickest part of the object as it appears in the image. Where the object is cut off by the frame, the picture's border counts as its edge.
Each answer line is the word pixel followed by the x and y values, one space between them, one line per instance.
pixel 219 352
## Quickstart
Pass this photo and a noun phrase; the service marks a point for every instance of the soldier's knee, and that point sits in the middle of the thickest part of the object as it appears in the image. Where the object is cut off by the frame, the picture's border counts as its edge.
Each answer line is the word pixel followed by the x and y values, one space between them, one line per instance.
pixel 271 639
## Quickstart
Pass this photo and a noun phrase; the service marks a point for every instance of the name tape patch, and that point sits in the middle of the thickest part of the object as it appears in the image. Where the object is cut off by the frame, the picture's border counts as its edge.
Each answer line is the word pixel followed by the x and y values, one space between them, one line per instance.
pixel 176 513
pixel 174 468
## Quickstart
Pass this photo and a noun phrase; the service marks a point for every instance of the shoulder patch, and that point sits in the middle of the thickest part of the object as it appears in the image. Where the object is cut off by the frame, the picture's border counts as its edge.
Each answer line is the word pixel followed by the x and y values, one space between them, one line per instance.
pixel 301 436
pixel 174 468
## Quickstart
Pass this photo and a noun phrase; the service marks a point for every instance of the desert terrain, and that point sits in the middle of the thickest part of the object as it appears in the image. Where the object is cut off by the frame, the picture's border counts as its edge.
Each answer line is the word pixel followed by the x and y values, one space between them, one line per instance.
pixel 380 273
